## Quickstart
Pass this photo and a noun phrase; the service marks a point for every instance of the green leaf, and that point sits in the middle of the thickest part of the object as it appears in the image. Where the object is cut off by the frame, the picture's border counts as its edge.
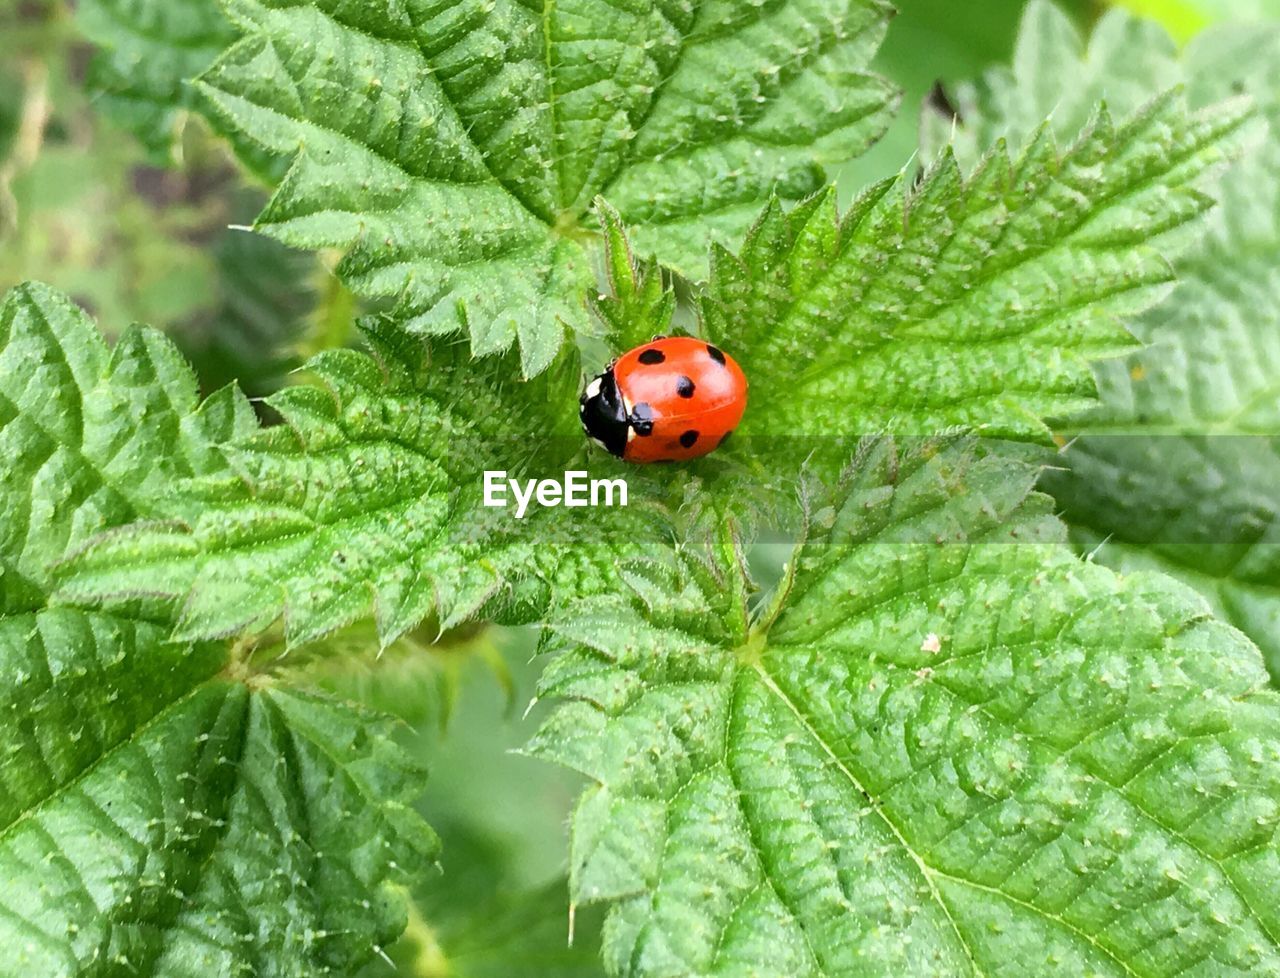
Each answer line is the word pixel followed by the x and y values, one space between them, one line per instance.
pixel 129 496
pixel 455 149
pixel 366 502
pixel 944 748
pixel 975 301
pixel 1193 422
pixel 1053 76
pixel 93 438
pixel 150 49
pixel 227 827
pixel 1178 468
pixel 163 809
pixel 641 302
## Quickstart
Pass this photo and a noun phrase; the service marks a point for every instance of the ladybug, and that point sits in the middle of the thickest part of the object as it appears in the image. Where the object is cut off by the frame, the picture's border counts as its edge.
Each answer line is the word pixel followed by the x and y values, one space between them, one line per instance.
pixel 674 399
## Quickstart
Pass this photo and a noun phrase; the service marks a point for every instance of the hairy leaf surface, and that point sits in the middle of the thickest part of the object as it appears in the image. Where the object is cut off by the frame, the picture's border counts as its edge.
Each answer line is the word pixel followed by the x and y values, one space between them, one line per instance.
pixel 972 300
pixel 92 438
pixel 162 811
pixel 455 148
pixel 231 827
pixel 946 748
pixel 366 503
pixel 1179 469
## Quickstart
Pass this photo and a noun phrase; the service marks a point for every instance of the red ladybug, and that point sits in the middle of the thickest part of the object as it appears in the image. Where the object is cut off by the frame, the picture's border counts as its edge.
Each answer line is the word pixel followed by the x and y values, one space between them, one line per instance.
pixel 671 400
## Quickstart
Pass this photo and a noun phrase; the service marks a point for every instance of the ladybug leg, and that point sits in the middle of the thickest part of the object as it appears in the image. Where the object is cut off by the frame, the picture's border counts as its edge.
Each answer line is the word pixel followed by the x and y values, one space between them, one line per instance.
pixel 641 420
pixel 660 336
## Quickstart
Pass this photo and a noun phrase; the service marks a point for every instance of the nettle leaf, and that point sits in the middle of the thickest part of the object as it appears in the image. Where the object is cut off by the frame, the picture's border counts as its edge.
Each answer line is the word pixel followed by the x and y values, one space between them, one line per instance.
pixel 973 301
pixel 366 501
pixel 162 810
pixel 92 438
pixel 641 301
pixel 1178 468
pixel 228 827
pixel 150 49
pixel 945 747
pixel 455 149
pixel 1193 422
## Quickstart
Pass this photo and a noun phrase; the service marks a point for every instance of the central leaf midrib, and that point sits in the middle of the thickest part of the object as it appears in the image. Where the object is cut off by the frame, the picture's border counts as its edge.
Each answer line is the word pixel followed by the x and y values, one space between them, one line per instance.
pixel 925 870
pixel 929 872
pixel 222 826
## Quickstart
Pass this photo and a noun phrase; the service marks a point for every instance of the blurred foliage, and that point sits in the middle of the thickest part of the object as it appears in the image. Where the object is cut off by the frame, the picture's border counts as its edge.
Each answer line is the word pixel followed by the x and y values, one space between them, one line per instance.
pixel 147 52
pixel 519 806
pixel 84 208
pixel 480 928
pixel 1185 18
pixel 928 42
pixel 418 678
pixel 499 905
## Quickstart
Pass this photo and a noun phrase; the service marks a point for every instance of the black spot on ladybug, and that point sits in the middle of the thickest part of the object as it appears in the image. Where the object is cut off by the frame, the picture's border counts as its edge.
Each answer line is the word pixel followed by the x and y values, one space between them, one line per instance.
pixel 715 354
pixel 724 438
pixel 688 438
pixel 650 357
pixel 642 419
pixel 684 387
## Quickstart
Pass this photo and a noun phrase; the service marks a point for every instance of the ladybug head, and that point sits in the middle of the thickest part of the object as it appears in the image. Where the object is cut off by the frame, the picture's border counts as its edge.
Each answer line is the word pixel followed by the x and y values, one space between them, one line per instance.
pixel 604 416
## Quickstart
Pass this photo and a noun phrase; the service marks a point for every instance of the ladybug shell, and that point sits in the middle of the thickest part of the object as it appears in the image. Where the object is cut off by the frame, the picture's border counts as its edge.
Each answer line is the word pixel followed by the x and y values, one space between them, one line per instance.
pixel 682 397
